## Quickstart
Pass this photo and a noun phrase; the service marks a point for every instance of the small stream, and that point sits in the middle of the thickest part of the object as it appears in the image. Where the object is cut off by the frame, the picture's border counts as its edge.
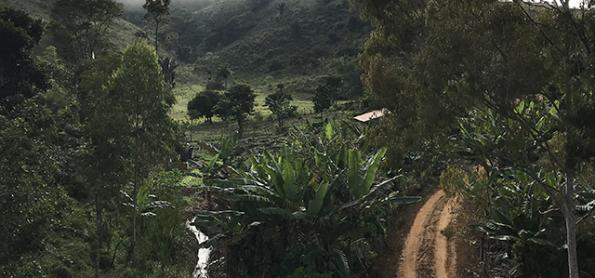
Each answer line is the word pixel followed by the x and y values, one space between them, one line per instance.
pixel 200 271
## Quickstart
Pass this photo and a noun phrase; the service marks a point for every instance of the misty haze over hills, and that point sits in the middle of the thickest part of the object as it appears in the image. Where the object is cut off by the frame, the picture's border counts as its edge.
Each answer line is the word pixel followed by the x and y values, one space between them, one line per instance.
pixel 139 3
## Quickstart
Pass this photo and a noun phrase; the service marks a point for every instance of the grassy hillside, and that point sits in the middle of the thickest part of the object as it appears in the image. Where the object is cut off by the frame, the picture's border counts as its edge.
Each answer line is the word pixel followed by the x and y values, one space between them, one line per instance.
pixel 121 33
pixel 254 38
pixel 263 42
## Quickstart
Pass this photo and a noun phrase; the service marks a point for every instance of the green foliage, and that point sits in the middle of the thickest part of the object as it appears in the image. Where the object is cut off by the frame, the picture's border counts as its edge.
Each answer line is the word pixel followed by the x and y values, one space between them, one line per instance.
pixel 361 173
pixel 127 106
pixel 223 75
pixel 140 101
pixel 100 167
pixel 518 213
pixel 452 71
pixel 44 226
pixel 156 8
pixel 94 78
pixel 37 143
pixel 165 238
pixel 511 201
pixel 37 151
pixel 59 76
pixel 20 77
pixel 236 104
pixel 203 105
pixel 280 105
pixel 26 193
pixel 326 94
pixel 253 38
pixel 70 153
pixel 303 273
pixel 157 11
pixel 516 218
pixel 218 157
pixel 79 28
pixel 323 206
pixel 349 72
pixel 131 128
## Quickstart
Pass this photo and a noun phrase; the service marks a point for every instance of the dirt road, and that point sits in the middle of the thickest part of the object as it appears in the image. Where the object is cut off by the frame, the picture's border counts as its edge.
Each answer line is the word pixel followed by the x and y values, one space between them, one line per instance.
pixel 427 252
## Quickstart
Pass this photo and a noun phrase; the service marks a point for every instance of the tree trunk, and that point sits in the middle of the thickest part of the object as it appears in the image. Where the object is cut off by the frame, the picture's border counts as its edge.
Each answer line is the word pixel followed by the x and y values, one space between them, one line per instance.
pixel 98 234
pixel 131 249
pixel 570 219
pixel 567 198
pixel 156 37
pixel 135 212
pixel 280 124
pixel 240 128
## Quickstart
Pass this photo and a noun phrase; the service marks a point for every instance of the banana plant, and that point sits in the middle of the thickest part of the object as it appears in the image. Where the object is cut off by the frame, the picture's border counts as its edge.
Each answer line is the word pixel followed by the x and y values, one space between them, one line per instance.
pixel 286 173
pixel 361 173
pixel 521 216
pixel 216 157
pixel 326 192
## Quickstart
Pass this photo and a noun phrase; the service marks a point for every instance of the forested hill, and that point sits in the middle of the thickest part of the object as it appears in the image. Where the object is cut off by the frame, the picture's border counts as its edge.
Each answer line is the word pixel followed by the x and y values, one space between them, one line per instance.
pixel 261 36
pixel 120 35
pixel 251 37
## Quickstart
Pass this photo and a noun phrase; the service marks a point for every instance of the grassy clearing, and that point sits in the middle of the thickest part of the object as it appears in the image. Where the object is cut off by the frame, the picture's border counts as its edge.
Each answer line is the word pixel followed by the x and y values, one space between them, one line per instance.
pixel 261 130
pixel 302 101
pixel 258 134
pixel 185 92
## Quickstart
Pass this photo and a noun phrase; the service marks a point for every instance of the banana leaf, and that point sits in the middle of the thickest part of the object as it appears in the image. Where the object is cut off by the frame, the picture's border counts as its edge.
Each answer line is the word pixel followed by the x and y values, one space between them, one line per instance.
pixel 315 205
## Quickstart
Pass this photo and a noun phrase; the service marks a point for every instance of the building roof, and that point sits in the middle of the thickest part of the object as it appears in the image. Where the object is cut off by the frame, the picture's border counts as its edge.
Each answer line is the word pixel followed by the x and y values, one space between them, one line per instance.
pixel 366 117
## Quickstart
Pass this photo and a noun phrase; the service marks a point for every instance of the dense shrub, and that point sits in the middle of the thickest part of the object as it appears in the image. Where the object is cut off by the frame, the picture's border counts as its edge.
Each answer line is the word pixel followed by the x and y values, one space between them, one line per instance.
pixel 327 93
pixel 203 105
pixel 280 105
pixel 236 104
